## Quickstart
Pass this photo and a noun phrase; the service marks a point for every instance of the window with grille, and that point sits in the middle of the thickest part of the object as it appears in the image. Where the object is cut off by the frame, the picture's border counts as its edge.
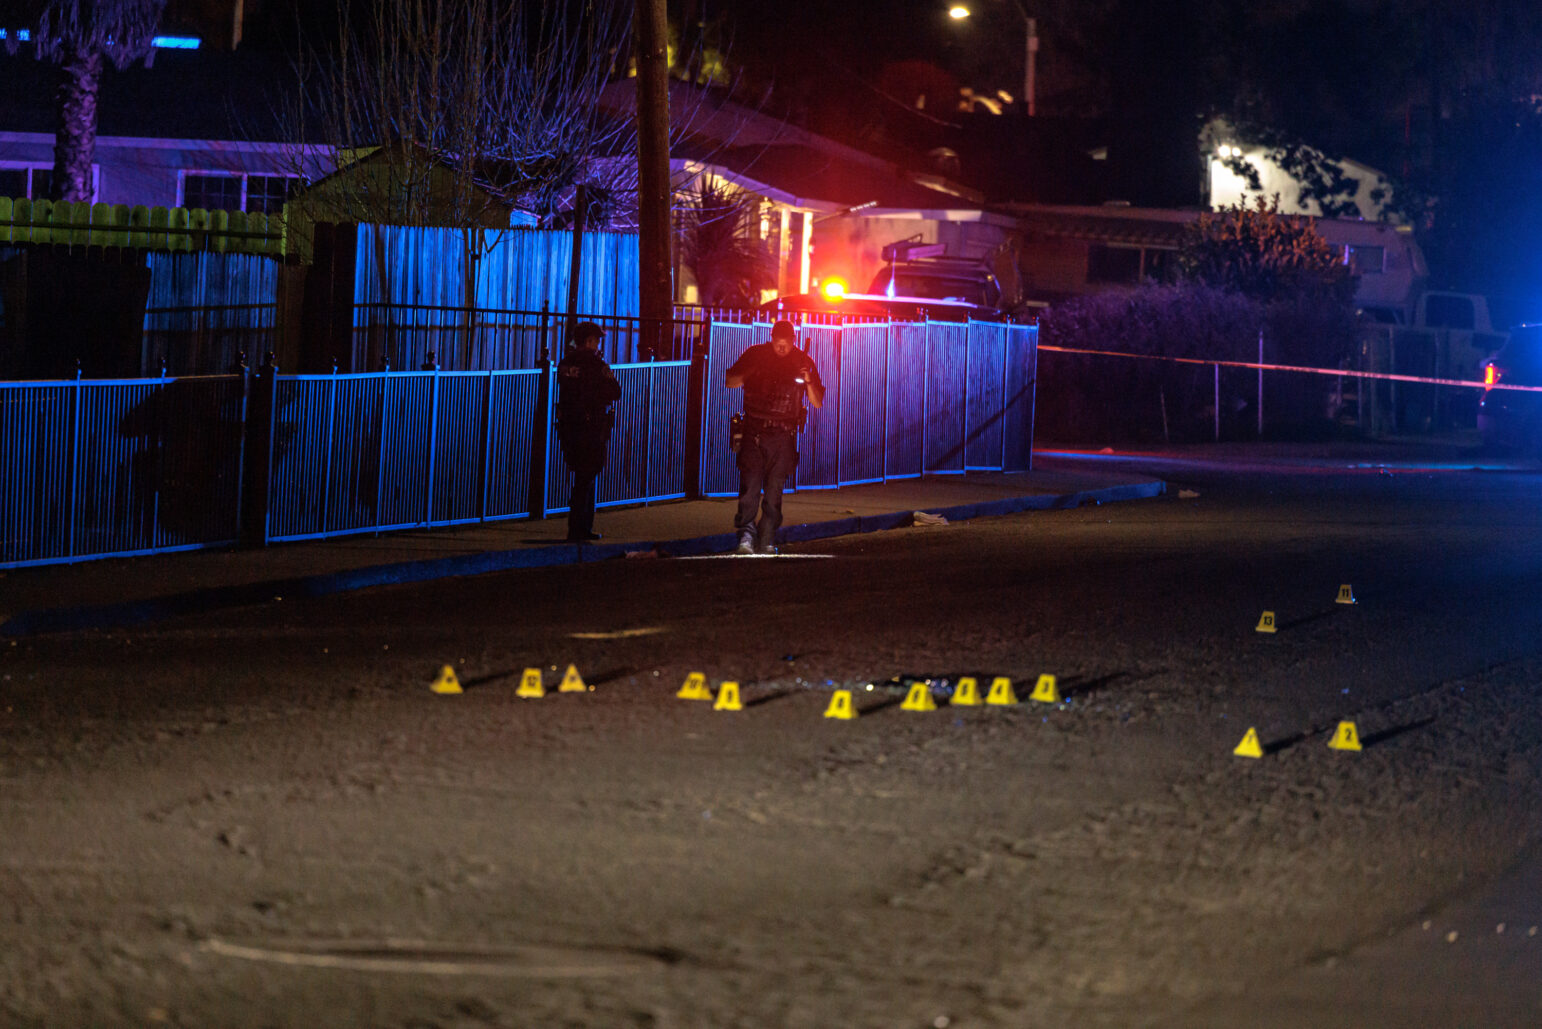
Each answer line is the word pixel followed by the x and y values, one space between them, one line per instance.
pixel 237 191
pixel 212 192
pixel 35 183
pixel 267 193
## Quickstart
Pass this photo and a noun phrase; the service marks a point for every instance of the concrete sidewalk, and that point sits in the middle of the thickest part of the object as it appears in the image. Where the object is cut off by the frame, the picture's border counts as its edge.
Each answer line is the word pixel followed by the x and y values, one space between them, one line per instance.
pixel 122 591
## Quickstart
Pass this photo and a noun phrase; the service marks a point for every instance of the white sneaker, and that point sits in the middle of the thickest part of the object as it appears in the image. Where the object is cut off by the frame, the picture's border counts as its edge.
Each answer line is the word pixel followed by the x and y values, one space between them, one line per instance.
pixel 746 544
pixel 766 549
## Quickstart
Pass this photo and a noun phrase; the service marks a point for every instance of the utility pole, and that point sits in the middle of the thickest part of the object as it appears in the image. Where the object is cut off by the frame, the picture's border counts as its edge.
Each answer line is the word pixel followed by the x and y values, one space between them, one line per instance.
pixel 656 288
pixel 576 264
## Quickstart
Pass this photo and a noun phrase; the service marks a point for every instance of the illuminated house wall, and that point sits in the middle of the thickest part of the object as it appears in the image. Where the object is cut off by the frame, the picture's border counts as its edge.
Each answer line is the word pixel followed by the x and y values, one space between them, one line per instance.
pixel 169 172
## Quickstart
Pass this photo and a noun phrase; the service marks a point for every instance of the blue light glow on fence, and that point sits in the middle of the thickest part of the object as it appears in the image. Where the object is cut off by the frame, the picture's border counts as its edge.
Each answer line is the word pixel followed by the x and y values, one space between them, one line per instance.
pixel 22 34
pixel 178 42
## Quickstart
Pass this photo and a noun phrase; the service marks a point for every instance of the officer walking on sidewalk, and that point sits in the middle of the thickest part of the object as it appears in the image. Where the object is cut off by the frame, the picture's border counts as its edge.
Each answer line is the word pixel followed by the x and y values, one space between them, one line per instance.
pixel 776 377
pixel 587 389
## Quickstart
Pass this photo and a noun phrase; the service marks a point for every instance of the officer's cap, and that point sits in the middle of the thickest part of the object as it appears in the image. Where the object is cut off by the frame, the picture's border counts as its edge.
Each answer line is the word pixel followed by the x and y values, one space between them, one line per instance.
pixel 784 329
pixel 586 330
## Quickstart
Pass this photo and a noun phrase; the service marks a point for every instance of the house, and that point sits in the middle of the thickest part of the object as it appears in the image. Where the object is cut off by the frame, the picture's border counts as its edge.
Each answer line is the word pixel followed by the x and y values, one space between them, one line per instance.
pixel 1071 251
pixel 827 209
pixel 182 133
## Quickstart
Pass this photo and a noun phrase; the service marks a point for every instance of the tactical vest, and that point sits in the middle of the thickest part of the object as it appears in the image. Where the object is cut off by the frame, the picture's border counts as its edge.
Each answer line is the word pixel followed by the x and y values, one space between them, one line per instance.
pixel 773 398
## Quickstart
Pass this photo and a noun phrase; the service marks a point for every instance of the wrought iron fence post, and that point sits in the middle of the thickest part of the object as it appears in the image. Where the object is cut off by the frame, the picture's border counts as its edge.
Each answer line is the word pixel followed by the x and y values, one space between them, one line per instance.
pixel 326 472
pixel 1006 364
pixel 1033 392
pixel 695 408
pixel 840 392
pixel 963 442
pixel 926 384
pixel 540 432
pixel 487 443
pixel 888 343
pixel 241 438
pixel 1260 382
pixel 258 459
pixel 433 439
pixel 158 464
pixel 647 468
pixel 385 434
pixel 74 462
pixel 1217 401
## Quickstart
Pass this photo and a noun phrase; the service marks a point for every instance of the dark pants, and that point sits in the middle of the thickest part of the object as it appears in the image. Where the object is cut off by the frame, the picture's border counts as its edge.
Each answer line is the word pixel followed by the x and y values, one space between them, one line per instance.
pixel 585 458
pixel 766 459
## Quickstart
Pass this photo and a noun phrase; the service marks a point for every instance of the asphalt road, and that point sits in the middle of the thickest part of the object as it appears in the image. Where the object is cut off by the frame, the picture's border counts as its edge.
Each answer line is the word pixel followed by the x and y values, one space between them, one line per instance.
pixel 264 817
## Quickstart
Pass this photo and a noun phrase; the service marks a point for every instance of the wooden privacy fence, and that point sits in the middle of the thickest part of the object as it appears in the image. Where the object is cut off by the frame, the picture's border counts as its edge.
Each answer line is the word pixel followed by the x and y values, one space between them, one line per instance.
pixel 62 223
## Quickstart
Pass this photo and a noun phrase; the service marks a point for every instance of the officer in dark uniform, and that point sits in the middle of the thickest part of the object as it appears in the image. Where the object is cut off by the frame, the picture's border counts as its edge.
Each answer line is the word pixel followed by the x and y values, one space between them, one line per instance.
pixel 587 388
pixel 776 377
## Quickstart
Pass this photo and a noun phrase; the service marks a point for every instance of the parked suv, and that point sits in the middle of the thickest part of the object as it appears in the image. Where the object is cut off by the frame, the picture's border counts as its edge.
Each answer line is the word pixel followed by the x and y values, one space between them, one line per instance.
pixel 1511 418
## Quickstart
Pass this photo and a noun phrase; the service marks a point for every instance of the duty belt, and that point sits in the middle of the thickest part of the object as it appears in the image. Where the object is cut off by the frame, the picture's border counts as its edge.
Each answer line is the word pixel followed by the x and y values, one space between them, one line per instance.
pixel 753 425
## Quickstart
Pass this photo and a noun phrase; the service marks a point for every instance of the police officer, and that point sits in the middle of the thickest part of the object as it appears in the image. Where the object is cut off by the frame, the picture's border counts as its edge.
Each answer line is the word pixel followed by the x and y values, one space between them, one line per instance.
pixel 587 388
pixel 776 377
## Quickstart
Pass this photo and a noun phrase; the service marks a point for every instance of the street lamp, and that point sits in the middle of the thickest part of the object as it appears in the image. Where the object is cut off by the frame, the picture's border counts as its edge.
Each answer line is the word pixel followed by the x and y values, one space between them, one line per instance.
pixel 958 12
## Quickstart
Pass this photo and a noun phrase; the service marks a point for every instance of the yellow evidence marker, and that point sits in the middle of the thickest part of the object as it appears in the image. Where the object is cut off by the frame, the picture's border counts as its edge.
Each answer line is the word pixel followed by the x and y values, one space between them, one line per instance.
pixel 841 706
pixel 728 698
pixel 1045 691
pixel 572 682
pixel 1001 693
pixel 530 684
pixel 446 682
pixel 1266 622
pixel 695 688
pixel 967 694
pixel 1249 747
pixel 1346 595
pixel 1345 737
pixel 919 698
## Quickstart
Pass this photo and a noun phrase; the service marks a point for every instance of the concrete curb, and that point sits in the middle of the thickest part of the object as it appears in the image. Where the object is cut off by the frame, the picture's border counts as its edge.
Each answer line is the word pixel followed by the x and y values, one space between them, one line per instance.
pixel 111 616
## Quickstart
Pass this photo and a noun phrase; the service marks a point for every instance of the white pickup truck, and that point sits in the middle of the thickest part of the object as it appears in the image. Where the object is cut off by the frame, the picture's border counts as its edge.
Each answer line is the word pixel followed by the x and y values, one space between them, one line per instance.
pixel 1442 335
pixel 1411 328
pixel 1446 335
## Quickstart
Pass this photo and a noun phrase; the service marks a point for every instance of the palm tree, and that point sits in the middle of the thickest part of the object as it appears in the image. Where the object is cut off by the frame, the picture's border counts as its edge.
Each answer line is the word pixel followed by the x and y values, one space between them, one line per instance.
pixel 721 243
pixel 79 36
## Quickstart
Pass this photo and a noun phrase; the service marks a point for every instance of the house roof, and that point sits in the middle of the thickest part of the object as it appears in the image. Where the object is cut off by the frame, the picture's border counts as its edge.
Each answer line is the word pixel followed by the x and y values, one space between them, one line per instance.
pixel 806 176
pixel 773 157
pixel 1132 226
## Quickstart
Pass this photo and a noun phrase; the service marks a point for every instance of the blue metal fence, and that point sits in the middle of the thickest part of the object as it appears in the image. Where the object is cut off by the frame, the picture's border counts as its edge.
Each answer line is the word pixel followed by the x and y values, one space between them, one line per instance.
pixel 646 458
pixel 900 399
pixel 96 468
pixel 397 450
pixel 112 468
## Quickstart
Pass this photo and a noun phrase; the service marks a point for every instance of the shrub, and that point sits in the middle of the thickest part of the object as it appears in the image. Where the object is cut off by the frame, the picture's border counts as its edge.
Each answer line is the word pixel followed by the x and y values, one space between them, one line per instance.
pixel 1085 398
pixel 1265 255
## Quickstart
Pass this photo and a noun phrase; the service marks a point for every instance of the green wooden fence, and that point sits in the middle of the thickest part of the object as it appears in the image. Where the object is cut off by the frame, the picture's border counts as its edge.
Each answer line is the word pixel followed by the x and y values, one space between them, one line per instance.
pixel 139 227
